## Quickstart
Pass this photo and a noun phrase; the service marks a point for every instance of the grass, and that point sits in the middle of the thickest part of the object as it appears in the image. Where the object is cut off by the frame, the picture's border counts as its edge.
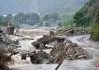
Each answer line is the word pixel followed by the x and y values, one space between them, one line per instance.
pixel 95 32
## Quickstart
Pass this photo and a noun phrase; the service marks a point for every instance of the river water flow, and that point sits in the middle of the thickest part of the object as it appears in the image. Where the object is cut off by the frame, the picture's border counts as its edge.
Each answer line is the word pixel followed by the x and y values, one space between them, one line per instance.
pixel 91 47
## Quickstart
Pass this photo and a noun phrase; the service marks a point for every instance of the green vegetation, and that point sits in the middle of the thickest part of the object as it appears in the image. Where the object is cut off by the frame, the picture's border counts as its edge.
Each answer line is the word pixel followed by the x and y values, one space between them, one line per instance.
pixel 95 32
pixel 68 22
pixel 89 16
pixel 21 18
pixel 63 7
pixel 51 19
pixel 81 17
pixel 0 22
pixel 1 17
pixel 31 19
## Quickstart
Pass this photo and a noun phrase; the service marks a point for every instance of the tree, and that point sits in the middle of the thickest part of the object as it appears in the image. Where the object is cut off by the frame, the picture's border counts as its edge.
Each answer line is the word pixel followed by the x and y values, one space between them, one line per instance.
pixel 60 24
pixel 18 18
pixel 0 22
pixel 78 17
pixel 55 16
pixel 9 17
pixel 97 16
pixel 51 18
pixel 1 19
pixel 46 17
pixel 30 19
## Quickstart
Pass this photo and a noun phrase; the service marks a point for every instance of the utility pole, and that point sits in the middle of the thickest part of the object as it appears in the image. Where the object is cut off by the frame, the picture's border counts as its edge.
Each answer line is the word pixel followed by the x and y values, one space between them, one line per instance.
pixel 58 65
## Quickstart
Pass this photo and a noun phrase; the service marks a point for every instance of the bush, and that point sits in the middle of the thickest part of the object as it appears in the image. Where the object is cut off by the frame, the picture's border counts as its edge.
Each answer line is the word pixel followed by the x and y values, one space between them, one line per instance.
pixel 68 22
pixel 95 32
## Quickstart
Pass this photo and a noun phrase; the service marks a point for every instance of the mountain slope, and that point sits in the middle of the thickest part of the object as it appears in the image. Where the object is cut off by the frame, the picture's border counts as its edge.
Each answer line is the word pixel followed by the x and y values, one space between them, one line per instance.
pixel 41 6
pixel 61 6
pixel 88 15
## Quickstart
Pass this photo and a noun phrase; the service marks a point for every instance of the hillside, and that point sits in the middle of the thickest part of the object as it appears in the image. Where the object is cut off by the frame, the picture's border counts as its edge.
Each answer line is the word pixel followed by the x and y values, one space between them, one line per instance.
pixel 60 6
pixel 41 6
pixel 88 15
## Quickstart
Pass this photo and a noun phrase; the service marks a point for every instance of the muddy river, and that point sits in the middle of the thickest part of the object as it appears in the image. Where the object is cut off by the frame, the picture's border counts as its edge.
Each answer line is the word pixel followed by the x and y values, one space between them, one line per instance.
pixel 91 47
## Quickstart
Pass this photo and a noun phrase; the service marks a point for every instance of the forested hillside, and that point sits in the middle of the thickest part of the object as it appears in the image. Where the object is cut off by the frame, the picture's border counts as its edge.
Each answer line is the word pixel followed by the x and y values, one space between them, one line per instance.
pixel 88 15
pixel 51 9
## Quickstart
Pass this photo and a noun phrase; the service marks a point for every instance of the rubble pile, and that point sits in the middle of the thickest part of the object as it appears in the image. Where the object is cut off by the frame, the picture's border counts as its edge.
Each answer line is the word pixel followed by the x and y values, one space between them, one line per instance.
pixel 6 43
pixel 63 49
pixel 72 32
pixel 67 50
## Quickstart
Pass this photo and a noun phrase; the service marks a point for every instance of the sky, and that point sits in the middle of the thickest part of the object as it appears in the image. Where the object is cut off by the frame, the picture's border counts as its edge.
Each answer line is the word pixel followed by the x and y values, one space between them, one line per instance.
pixel 16 6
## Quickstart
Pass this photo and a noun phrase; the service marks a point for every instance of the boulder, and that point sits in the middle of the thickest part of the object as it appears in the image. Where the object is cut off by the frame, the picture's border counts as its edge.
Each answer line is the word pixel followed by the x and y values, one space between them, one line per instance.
pixel 39 57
